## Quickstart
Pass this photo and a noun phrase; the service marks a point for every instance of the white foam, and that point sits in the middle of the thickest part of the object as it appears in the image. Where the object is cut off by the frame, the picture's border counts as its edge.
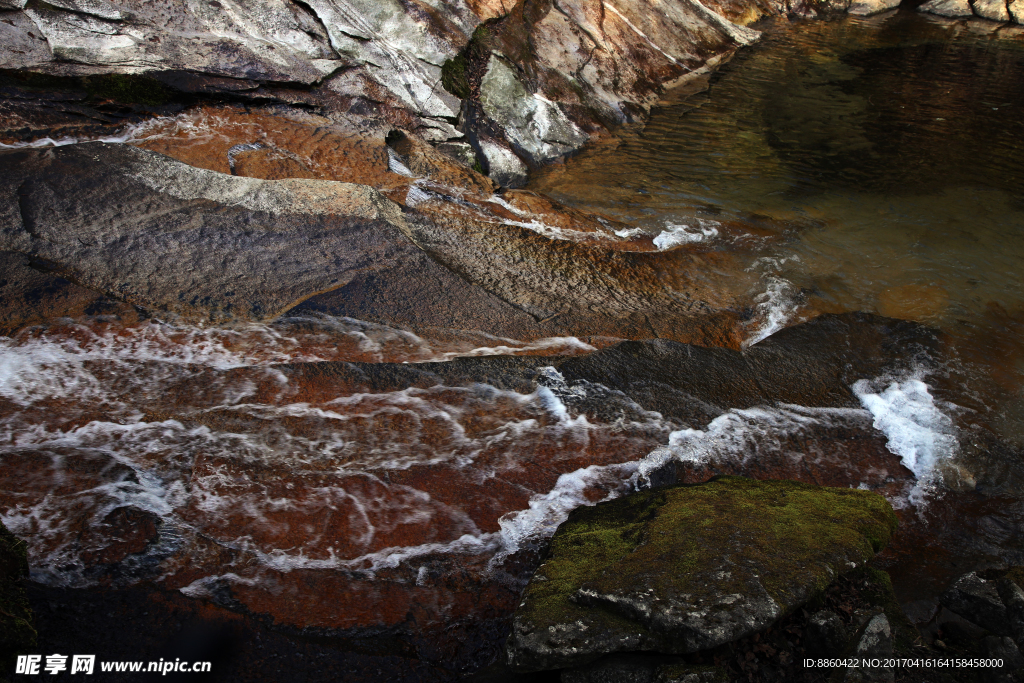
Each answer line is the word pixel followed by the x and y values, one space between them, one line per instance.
pixel 675 234
pixel 548 510
pixel 395 165
pixel 128 133
pixel 917 430
pixel 777 305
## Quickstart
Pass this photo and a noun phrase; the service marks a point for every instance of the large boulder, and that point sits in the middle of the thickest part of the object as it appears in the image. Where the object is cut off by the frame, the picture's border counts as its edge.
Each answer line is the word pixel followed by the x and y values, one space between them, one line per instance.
pixel 688 568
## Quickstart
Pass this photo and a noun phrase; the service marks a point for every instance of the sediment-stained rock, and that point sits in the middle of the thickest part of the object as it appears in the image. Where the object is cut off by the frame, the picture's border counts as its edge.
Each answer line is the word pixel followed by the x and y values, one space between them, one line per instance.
pixel 114 218
pixel 149 230
pixel 688 568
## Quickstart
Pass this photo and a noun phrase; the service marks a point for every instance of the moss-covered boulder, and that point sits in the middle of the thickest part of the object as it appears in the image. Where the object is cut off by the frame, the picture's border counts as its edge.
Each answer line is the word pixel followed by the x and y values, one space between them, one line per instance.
pixel 17 636
pixel 689 568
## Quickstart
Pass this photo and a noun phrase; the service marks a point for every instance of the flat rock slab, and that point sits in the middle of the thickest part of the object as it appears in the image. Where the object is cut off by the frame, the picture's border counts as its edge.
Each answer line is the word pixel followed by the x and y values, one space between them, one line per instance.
pixel 152 231
pixel 688 568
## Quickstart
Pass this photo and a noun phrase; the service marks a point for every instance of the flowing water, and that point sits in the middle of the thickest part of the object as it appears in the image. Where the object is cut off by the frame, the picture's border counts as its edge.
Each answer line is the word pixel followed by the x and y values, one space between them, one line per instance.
pixel 881 162
pixel 856 165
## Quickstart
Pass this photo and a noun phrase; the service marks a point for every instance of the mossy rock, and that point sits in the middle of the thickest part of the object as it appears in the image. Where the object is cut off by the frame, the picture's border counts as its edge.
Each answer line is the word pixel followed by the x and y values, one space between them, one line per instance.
pixel 688 568
pixel 17 635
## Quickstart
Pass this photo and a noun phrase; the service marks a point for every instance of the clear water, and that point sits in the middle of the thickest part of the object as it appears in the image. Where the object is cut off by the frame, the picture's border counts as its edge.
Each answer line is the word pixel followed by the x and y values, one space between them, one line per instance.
pixel 878 161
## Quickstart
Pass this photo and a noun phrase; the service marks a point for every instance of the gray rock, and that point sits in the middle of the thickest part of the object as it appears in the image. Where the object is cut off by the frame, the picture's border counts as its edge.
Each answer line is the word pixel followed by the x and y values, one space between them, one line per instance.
pixel 992 9
pixel 267 40
pixel 867 7
pixel 978 601
pixel 19 50
pixel 1013 599
pixel 13 4
pixel 947 8
pixel 97 8
pixel 152 231
pixel 826 634
pixel 875 643
pixel 504 167
pixel 534 123
pixel 1003 648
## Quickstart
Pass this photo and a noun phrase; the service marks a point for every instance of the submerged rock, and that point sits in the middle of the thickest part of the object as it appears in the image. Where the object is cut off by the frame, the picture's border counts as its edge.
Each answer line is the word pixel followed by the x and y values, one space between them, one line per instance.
pixel 688 568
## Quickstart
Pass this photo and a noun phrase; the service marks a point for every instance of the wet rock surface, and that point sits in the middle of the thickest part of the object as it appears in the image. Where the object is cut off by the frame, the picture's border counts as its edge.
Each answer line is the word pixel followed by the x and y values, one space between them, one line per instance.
pixel 250 249
pixel 684 569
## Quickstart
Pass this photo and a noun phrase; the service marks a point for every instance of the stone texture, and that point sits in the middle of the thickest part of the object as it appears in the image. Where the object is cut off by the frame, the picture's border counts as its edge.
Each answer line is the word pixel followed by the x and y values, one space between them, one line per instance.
pixel 688 568
pixel 271 40
pixel 875 642
pixel 21 44
pixel 150 230
pixel 947 8
pixel 1016 10
pixel 826 634
pixel 991 9
pixel 1012 597
pixel 503 166
pixel 868 7
pixel 977 601
pixel 536 125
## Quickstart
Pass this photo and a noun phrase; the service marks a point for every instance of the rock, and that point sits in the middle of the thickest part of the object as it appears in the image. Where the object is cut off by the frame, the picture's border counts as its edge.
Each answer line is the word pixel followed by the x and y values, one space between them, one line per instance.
pixel 684 673
pixel 867 7
pixel 1003 648
pixel 201 38
pixel 687 568
pixel 1012 597
pixel 30 296
pixel 503 166
pixel 19 49
pixel 460 151
pixel 826 634
pixel 534 124
pixel 947 8
pixel 992 9
pixel 17 635
pixel 875 642
pixel 109 217
pixel 1016 10
pixel 977 601
pixel 427 162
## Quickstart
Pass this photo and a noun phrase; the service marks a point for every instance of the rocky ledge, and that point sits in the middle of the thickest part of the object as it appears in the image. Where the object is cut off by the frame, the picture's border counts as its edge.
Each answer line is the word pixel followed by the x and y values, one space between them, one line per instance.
pixel 505 85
